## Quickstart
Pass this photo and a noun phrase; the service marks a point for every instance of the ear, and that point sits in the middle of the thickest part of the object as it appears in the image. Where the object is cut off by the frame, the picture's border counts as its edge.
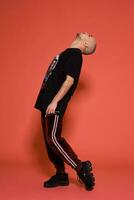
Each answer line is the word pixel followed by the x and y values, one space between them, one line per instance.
pixel 85 43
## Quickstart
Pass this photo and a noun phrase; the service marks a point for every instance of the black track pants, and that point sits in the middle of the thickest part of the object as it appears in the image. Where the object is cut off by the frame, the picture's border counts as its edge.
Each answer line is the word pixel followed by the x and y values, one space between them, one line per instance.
pixel 59 151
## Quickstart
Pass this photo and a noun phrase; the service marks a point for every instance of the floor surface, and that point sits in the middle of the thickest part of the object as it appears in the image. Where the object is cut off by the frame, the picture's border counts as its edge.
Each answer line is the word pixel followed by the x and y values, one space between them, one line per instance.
pixel 24 181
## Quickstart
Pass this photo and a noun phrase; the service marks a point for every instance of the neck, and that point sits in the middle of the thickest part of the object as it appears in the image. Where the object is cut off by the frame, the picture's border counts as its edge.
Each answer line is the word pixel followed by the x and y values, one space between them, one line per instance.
pixel 74 45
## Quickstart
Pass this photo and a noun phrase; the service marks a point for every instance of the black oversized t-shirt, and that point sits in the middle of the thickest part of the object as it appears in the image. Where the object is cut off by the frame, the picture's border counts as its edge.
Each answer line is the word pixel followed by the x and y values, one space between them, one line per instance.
pixel 68 62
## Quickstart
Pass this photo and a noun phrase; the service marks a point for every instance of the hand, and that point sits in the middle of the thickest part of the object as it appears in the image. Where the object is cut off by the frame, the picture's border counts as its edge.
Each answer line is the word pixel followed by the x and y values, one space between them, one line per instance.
pixel 51 107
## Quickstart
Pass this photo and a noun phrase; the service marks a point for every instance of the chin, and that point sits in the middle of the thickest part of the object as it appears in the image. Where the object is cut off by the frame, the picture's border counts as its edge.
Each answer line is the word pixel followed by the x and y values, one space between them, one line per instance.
pixel 86 53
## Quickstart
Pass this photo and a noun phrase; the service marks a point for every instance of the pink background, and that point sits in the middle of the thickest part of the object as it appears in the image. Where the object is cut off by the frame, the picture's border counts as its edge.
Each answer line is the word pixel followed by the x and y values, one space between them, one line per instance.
pixel 98 122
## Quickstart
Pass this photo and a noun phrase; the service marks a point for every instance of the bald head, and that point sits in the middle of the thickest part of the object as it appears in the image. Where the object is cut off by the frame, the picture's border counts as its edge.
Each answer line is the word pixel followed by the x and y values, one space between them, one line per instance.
pixel 86 42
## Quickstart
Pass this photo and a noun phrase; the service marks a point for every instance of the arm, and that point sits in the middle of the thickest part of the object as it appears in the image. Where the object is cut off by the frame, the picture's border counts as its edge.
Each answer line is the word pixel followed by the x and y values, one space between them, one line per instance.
pixel 62 91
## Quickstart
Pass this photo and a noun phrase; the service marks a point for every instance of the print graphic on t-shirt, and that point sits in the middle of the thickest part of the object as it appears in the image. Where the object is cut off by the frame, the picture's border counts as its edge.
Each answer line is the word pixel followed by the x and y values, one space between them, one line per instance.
pixel 50 70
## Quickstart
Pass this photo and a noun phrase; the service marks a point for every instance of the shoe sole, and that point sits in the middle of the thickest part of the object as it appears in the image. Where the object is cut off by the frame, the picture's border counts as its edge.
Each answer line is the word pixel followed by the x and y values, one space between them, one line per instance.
pixel 89 165
pixel 60 184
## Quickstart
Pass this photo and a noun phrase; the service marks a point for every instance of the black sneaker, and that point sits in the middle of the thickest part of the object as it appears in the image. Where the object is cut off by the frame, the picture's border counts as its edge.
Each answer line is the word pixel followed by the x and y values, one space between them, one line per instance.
pixel 57 179
pixel 85 176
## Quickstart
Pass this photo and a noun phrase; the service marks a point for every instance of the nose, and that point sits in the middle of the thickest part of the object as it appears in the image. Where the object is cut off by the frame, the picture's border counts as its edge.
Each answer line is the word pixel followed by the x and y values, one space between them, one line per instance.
pixel 90 35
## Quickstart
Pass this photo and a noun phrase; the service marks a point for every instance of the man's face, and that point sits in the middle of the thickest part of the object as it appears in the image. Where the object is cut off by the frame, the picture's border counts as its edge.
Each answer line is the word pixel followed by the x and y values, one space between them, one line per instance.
pixel 89 43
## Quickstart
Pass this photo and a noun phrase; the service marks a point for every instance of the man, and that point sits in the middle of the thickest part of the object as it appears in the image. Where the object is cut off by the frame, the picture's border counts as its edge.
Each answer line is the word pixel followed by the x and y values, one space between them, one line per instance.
pixel 57 88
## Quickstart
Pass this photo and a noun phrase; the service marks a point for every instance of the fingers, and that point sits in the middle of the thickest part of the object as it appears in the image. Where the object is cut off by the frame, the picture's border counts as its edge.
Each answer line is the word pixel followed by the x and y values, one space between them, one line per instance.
pixel 49 113
pixel 50 110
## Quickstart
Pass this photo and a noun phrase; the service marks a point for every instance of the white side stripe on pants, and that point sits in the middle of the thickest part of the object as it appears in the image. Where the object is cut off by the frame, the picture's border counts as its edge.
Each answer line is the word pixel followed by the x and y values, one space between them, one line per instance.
pixel 57 144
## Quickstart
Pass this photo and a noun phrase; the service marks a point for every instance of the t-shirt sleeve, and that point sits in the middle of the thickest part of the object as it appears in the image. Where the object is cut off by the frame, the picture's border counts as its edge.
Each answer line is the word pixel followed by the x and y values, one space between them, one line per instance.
pixel 72 65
